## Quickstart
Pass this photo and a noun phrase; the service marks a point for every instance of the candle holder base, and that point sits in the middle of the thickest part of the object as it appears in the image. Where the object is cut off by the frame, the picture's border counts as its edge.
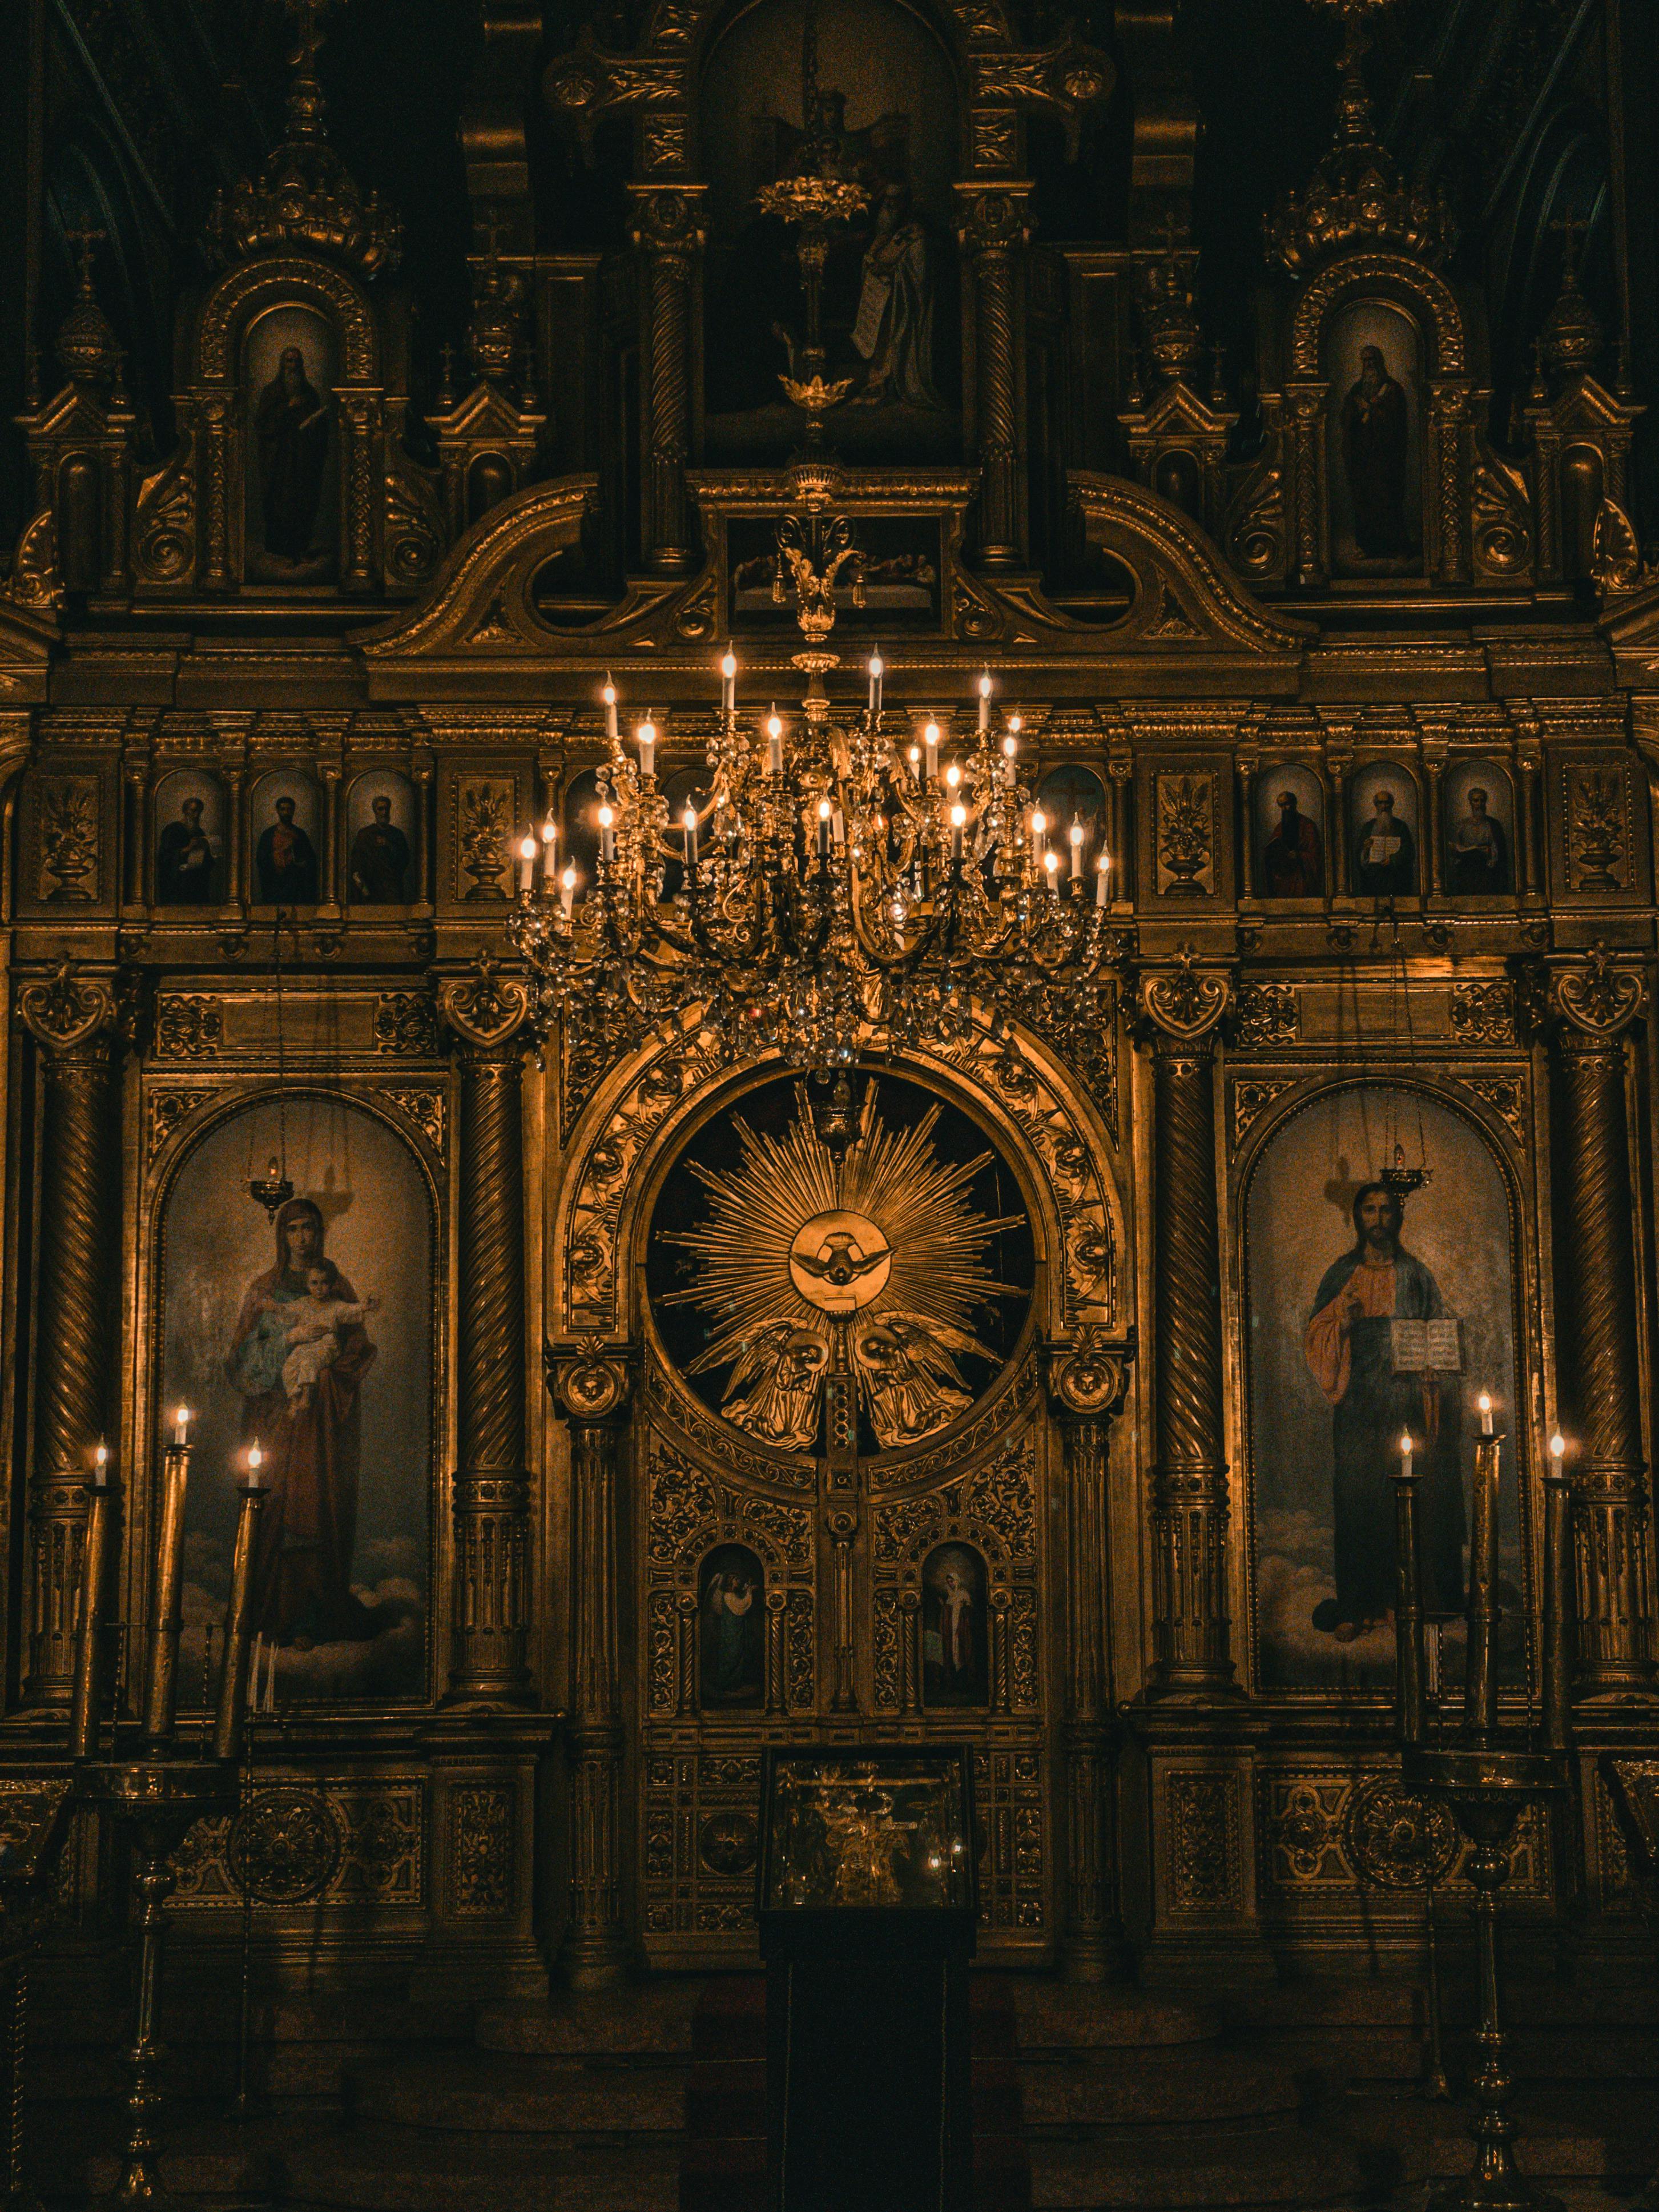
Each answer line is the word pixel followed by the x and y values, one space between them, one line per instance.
pixel 1486 1787
pixel 156 1800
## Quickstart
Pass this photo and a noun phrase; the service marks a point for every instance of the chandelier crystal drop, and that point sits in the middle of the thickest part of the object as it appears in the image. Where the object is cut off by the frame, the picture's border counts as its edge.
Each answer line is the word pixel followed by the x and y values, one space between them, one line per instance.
pixel 837 890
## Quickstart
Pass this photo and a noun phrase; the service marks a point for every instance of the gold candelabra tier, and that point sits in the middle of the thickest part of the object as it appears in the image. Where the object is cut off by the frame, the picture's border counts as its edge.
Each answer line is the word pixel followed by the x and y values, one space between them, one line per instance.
pixel 835 890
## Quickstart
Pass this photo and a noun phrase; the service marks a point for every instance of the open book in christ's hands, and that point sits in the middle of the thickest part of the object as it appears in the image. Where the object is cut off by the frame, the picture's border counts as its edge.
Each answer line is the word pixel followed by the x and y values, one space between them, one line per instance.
pixel 1427 1346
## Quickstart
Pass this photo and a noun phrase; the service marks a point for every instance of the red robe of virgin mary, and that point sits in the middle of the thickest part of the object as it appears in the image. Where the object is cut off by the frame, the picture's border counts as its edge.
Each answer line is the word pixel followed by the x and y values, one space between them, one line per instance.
pixel 308 1528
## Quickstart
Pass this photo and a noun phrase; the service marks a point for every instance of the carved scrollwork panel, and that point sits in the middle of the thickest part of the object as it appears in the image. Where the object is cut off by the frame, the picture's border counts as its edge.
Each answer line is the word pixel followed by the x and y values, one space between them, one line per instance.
pixel 481 1848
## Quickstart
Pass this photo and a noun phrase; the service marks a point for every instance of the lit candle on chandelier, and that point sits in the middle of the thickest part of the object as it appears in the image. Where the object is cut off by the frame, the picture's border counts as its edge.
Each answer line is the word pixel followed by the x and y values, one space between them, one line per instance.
pixel 958 824
pixel 773 744
pixel 825 811
pixel 526 863
pixel 876 673
pixel 930 746
pixel 1103 870
pixel 953 778
pixel 567 891
pixel 609 696
pixel 645 737
pixel 728 682
pixel 550 850
pixel 984 702
pixel 607 834
pixel 915 758
pixel 1010 748
pixel 1075 836
pixel 1484 1403
pixel 689 821
pixel 1039 824
pixel 1051 862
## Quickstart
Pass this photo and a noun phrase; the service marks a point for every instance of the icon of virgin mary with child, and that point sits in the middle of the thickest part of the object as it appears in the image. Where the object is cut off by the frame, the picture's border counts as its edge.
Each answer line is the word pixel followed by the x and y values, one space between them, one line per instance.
pixel 298 1357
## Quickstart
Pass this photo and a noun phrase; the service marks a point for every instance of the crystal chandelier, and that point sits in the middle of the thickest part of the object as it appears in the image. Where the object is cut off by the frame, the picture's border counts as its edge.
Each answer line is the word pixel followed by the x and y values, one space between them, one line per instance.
pixel 840 887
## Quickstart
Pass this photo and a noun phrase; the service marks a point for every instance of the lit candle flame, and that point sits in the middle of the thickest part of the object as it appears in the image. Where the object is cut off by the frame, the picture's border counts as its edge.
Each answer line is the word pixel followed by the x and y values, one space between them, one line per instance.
pixel 984 685
pixel 1557 1445
pixel 877 667
pixel 958 815
pixel 549 830
pixel 728 663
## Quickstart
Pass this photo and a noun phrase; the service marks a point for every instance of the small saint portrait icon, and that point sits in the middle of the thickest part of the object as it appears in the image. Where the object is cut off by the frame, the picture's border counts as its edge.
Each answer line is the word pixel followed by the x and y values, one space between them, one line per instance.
pixel 379 858
pixel 955 1645
pixel 291 432
pixel 1481 851
pixel 1293 857
pixel 733 1610
pixel 1374 435
pixel 285 860
pixel 1387 851
pixel 184 860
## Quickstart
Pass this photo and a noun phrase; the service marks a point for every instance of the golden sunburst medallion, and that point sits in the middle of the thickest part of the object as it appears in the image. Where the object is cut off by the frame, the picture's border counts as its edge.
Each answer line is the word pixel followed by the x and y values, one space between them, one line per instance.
pixel 877 1260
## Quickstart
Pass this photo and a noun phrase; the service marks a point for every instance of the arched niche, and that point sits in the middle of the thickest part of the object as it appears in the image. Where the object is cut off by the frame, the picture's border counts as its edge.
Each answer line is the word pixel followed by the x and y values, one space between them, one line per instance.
pixel 192 819
pixel 1385 831
pixel 1477 826
pixel 955 1628
pixel 383 839
pixel 286 838
pixel 888 104
pixel 314 1333
pixel 731 1630
pixel 1330 1390
pixel 1289 832
pixel 291 440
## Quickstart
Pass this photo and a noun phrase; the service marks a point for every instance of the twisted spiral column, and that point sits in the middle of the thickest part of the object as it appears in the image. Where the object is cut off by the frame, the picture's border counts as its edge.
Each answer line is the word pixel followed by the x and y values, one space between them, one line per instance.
pixel 73 1022
pixel 491 1490
pixel 994 233
pixel 1086 1389
pixel 1598 1368
pixel 1189 1482
pixel 592 1394
pixel 667 236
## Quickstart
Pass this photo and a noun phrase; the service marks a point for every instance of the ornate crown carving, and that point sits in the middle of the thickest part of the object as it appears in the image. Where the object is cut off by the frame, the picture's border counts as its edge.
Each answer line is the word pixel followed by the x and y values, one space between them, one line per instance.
pixel 305 195
pixel 1357 195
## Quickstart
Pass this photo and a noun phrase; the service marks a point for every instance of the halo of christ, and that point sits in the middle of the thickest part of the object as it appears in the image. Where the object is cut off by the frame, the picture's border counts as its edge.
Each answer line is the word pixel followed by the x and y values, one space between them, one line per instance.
pixel 799 1263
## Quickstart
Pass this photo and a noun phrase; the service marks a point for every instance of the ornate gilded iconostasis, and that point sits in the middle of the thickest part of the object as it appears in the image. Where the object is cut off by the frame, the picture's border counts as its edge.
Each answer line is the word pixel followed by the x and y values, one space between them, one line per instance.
pixel 631 1395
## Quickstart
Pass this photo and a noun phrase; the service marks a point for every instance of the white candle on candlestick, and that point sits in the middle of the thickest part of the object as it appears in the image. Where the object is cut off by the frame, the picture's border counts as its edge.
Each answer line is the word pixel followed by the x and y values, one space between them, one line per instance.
pixel 825 811
pixel 607 834
pixel 728 682
pixel 1103 870
pixel 915 759
pixel 1557 1449
pixel 985 701
pixel 1405 1452
pixel 876 673
pixel 567 891
pixel 958 824
pixel 1075 834
pixel 646 736
pixel 1039 825
pixel 100 1465
pixel 689 821
pixel 930 746
pixel 1485 1404
pixel 609 696
pixel 1010 747
pixel 1051 862
pixel 773 744
pixel 181 1427
pixel 526 862
pixel 550 849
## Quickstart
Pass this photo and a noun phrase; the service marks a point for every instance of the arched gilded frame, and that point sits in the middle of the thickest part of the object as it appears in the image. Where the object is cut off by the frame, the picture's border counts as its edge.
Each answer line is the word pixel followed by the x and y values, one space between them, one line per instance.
pixel 404 1565
pixel 1491 1110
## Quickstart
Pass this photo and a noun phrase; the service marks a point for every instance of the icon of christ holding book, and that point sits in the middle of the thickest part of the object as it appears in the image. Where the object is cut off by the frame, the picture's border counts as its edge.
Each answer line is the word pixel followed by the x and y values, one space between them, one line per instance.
pixel 1387 1355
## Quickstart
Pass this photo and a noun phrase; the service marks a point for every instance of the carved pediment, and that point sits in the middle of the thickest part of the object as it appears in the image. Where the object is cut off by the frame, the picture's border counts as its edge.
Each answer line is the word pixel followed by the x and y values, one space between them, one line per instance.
pixel 1186 600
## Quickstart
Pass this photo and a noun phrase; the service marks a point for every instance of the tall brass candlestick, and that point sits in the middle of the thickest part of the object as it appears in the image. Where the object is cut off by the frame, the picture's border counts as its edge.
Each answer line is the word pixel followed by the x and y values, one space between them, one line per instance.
pixel 1408 1607
pixel 1556 1698
pixel 239 1626
pixel 1480 1675
pixel 162 1680
pixel 95 1589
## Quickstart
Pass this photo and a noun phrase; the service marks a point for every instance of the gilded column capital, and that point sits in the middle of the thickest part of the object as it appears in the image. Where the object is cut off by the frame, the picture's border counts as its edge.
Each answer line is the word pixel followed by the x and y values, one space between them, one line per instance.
pixel 993 217
pixel 69 1013
pixel 590 1384
pixel 665 219
pixel 486 1011
pixel 1594 998
pixel 1088 1379
pixel 1184 1004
